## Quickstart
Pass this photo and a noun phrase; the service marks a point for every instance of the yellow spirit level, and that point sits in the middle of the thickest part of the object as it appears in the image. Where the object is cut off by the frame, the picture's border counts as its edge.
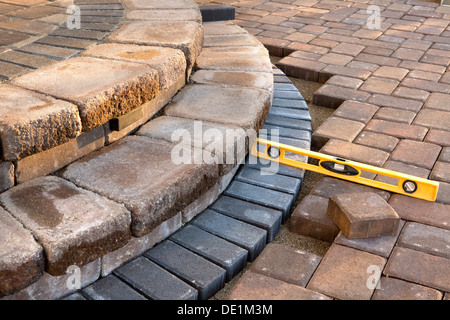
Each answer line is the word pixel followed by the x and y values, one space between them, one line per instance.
pixel 345 169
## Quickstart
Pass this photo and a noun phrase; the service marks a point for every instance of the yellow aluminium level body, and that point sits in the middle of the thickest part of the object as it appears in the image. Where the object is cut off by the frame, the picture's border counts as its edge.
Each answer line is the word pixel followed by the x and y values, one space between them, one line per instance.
pixel 345 169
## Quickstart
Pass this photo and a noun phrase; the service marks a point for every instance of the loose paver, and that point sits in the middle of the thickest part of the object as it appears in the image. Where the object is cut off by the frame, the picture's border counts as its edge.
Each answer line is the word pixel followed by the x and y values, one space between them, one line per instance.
pixel 363 215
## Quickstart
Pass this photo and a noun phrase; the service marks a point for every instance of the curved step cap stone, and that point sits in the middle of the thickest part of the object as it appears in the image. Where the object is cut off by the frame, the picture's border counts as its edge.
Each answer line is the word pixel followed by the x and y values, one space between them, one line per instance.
pixel 252 59
pixel 184 35
pixel 244 107
pixel 32 122
pixel 170 63
pixel 139 173
pixel 102 89
pixel 225 143
pixel 73 225
pixel 188 14
pixel 22 258
pixel 158 4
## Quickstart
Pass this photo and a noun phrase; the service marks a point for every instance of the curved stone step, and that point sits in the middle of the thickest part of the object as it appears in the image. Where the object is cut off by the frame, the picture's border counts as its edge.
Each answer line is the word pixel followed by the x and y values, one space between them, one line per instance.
pixel 138 174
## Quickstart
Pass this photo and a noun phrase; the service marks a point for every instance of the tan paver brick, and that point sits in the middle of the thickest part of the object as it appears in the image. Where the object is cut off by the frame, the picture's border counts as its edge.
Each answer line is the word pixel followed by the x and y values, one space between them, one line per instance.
pixel 418 267
pixel 363 215
pixel 412 209
pixel 396 289
pixel 355 152
pixel 286 264
pixel 421 154
pixel 343 274
pixel 397 129
pixel 253 286
pixel 310 218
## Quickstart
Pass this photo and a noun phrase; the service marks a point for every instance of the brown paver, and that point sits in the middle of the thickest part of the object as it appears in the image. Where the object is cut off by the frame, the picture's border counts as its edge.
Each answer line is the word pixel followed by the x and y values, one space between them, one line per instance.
pixel 253 286
pixel 396 129
pixel 354 110
pixel 286 264
pixel 425 238
pixel 396 289
pixel 328 187
pixel 381 246
pixel 363 215
pixel 421 154
pixel 377 140
pixel 310 218
pixel 355 152
pixel 343 273
pixel 410 209
pixel 419 267
pixel 336 128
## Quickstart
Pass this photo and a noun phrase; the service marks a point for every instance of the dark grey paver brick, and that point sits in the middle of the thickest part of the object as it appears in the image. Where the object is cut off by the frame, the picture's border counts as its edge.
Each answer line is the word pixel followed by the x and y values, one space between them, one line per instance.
pixel 271 181
pixel 288 132
pixel 260 216
pixel 75 296
pixel 111 288
pixel 284 87
pixel 293 104
pixel 155 282
pixel 205 276
pixel 261 164
pixel 245 235
pixel 288 122
pixel 227 255
pixel 287 95
pixel 290 113
pixel 271 198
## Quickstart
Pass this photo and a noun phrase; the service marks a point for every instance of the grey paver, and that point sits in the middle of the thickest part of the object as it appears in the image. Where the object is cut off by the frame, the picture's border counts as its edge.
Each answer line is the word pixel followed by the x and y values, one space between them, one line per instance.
pixel 154 282
pixel 287 103
pixel 245 235
pixel 205 276
pixel 287 95
pixel 288 122
pixel 270 181
pixel 266 197
pixel 288 132
pixel 290 113
pixel 223 253
pixel 111 288
pixel 260 216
